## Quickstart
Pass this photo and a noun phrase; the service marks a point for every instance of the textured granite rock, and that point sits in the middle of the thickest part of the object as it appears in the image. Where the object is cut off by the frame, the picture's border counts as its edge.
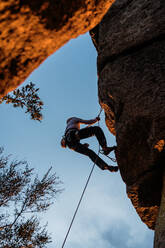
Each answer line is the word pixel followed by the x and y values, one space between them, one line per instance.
pixel 130 42
pixel 30 31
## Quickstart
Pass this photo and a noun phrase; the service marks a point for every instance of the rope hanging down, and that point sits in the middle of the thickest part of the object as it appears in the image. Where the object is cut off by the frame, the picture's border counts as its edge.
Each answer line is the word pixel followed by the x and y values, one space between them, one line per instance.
pixel 90 174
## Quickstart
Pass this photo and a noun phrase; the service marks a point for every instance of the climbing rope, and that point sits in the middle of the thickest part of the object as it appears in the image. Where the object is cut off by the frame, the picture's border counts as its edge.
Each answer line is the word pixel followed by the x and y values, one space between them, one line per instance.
pixel 112 159
pixel 100 113
pixel 90 174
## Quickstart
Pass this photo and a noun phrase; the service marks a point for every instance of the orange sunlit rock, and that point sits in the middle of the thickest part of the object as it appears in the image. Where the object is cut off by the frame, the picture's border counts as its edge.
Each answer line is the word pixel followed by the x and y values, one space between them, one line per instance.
pixel 30 31
pixel 160 145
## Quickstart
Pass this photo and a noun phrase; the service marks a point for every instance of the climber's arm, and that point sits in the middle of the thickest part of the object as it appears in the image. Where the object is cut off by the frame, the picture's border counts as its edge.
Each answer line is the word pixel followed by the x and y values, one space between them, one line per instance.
pixel 91 121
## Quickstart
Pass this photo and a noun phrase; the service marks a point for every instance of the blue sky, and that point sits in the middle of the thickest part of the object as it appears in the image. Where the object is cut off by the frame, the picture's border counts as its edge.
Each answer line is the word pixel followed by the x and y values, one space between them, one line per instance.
pixel 68 87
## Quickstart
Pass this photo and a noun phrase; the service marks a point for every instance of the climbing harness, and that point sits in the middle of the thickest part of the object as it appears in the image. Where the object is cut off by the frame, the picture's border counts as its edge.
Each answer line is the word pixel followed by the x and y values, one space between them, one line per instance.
pixel 90 174
pixel 72 133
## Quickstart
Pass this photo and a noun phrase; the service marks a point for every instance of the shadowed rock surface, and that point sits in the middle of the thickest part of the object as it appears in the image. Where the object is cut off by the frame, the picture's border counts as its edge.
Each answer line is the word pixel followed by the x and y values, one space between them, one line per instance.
pixel 130 42
pixel 30 31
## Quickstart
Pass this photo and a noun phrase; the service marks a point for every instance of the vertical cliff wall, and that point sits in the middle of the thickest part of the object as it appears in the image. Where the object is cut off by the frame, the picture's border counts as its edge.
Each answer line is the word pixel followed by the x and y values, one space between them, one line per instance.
pixel 130 42
pixel 30 31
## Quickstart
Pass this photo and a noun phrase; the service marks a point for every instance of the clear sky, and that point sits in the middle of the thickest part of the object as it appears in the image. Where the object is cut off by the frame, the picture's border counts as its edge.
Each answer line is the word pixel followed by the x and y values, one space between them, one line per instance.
pixel 68 87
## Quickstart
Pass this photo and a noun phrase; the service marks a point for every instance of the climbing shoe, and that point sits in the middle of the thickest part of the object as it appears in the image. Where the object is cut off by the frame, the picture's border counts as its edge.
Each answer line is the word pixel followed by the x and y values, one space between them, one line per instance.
pixel 107 150
pixel 111 168
pixel 86 145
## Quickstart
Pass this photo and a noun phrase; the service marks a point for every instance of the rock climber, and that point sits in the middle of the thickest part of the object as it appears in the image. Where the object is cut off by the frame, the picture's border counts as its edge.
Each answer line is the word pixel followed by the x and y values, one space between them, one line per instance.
pixel 73 135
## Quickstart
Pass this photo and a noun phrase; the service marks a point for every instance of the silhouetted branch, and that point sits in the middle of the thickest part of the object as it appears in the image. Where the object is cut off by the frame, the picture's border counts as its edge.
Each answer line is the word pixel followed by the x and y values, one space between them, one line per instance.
pixel 26 97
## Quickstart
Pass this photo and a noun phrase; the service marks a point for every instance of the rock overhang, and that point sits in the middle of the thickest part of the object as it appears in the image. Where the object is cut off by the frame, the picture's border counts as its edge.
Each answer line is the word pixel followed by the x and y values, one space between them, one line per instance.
pixel 30 31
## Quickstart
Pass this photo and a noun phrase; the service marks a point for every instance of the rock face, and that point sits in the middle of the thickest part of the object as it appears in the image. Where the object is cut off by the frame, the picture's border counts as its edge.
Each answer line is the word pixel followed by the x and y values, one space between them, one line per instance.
pixel 32 30
pixel 130 42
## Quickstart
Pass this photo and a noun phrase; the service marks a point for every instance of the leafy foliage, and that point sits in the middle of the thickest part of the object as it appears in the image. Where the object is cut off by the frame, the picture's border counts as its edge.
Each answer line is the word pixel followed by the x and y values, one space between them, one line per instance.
pixel 26 97
pixel 21 198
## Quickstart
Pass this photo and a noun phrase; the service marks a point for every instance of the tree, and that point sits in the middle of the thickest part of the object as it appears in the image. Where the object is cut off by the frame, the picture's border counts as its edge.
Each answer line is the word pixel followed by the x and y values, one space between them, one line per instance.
pixel 27 97
pixel 21 199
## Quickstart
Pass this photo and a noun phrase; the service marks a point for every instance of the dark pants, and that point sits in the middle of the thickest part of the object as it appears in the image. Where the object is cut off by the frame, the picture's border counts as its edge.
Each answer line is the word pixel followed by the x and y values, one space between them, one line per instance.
pixel 73 142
